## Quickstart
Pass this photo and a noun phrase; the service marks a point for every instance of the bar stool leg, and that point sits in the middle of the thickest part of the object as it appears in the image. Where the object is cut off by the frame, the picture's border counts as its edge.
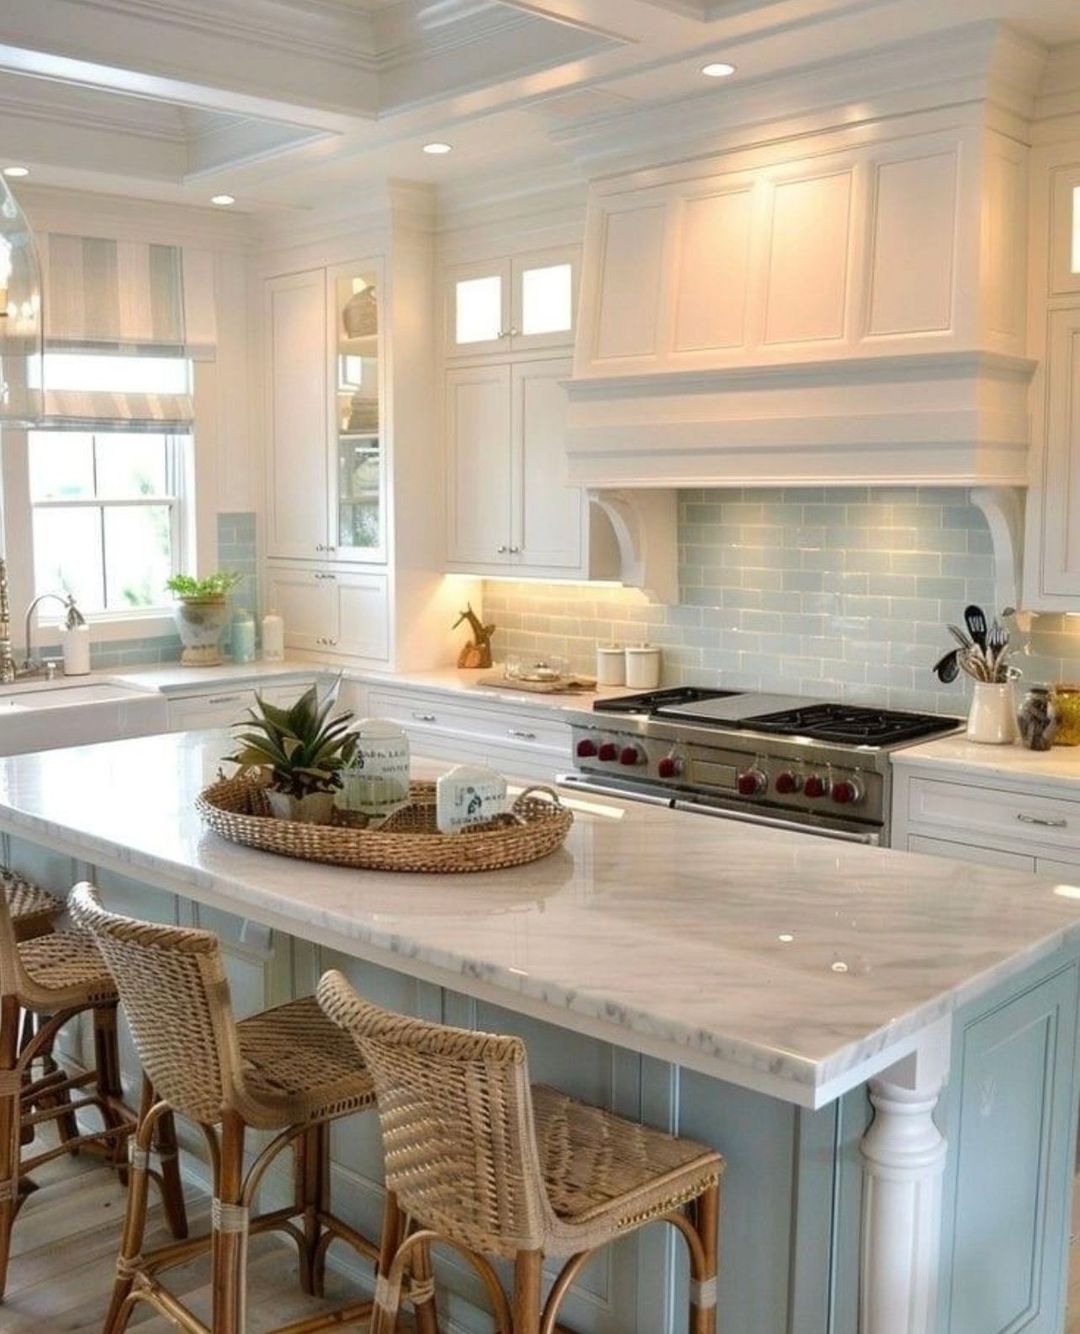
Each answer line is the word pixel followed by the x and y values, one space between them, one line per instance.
pixel 528 1266
pixel 229 1244
pixel 427 1316
pixel 134 1222
pixel 172 1188
pixel 703 1283
pixel 309 1149
pixel 10 1127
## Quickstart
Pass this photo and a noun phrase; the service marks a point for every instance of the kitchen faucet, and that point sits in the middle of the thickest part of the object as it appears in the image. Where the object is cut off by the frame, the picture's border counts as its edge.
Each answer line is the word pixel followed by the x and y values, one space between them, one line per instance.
pixel 31 666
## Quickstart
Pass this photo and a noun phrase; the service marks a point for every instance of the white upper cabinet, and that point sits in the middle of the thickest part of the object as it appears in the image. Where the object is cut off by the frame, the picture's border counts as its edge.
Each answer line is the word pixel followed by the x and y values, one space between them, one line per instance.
pixel 296 411
pixel 327 471
pixel 508 503
pixel 520 304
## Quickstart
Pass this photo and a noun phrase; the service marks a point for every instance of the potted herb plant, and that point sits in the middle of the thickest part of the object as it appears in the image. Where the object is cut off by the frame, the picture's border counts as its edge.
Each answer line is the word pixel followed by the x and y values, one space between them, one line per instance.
pixel 202 612
pixel 302 750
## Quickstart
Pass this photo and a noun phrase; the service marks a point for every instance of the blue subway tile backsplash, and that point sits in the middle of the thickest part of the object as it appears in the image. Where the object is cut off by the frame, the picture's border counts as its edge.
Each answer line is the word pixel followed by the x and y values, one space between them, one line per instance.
pixel 818 590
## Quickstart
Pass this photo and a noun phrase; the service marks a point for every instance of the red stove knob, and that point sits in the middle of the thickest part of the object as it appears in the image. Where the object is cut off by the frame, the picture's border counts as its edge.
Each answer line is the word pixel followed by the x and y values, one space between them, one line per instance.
pixel 608 751
pixel 752 783
pixel 586 749
pixel 847 792
pixel 670 767
pixel 630 755
pixel 786 783
pixel 816 786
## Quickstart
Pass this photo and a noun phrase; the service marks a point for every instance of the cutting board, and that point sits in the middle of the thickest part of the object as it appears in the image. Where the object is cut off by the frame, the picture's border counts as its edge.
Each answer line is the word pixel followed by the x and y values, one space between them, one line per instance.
pixel 565 685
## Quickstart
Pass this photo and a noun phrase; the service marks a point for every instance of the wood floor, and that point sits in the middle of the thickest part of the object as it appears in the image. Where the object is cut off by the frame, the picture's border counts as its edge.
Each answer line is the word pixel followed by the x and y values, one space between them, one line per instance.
pixel 64 1256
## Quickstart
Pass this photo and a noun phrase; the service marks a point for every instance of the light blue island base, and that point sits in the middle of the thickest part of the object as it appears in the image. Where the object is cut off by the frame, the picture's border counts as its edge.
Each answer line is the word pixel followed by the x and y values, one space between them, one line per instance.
pixel 792 1214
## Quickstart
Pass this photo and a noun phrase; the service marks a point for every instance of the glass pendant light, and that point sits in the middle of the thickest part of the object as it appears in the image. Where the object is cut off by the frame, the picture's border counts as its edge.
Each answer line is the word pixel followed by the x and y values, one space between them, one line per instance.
pixel 20 317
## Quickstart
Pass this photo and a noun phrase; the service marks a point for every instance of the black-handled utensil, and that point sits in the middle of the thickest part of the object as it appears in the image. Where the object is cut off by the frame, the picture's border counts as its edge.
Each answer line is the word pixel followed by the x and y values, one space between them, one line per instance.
pixel 975 619
pixel 947 668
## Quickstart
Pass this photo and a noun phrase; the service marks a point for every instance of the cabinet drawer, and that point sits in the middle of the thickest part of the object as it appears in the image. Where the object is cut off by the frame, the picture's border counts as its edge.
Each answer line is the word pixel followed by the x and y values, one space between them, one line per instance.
pixel 966 852
pixel 424 715
pixel 959 809
pixel 224 707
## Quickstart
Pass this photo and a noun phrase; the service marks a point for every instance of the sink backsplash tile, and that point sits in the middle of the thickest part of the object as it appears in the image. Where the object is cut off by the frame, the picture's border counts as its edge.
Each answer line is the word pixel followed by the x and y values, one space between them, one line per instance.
pixel 818 590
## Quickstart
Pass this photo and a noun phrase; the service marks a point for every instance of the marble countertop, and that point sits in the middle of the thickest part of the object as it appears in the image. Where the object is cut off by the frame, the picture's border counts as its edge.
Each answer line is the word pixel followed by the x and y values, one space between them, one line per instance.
pixel 775 960
pixel 175 679
pixel 1060 764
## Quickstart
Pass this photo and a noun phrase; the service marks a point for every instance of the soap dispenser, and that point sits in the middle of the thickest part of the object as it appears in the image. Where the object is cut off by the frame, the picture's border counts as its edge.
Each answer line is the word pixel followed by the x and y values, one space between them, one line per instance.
pixel 75 639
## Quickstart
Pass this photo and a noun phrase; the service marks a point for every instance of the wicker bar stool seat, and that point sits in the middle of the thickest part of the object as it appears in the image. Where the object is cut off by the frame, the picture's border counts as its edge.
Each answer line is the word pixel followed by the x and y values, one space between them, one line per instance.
pixel 33 910
pixel 56 977
pixel 288 1070
pixel 479 1160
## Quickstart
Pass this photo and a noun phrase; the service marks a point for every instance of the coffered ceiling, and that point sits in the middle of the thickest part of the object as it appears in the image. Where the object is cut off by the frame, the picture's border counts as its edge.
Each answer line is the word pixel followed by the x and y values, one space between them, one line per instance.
pixel 282 102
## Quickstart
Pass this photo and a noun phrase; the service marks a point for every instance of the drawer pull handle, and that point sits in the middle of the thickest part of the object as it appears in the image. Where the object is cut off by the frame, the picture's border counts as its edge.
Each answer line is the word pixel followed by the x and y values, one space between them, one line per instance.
pixel 425 718
pixel 521 736
pixel 224 699
pixel 1046 824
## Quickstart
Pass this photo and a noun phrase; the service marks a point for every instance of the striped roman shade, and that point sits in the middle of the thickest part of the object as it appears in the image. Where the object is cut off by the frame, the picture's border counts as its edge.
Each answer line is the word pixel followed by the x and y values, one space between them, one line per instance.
pixel 103 295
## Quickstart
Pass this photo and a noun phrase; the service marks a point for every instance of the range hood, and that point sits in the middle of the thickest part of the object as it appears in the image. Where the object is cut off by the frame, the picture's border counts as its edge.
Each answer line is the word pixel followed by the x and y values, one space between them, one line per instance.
pixel 843 306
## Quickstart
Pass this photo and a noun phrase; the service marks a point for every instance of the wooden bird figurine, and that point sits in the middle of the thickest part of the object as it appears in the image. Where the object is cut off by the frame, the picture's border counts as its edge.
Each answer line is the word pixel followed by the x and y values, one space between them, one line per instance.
pixel 477 652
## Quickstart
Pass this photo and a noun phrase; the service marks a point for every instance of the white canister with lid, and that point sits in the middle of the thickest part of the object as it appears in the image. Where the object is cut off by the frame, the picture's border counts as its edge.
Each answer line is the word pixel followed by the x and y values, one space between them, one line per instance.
pixel 610 665
pixel 273 637
pixel 642 666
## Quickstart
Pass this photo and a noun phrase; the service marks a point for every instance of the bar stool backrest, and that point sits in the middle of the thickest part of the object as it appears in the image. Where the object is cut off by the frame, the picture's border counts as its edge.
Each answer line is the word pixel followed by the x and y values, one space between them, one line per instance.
pixel 175 994
pixel 457 1120
pixel 11 971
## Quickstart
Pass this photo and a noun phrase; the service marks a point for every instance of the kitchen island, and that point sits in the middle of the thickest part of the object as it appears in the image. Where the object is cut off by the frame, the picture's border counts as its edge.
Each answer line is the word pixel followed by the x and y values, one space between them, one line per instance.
pixel 882 1045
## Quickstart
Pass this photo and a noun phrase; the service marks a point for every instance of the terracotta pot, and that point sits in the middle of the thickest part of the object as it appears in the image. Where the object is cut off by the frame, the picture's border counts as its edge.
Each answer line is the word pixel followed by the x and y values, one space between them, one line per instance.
pixel 315 808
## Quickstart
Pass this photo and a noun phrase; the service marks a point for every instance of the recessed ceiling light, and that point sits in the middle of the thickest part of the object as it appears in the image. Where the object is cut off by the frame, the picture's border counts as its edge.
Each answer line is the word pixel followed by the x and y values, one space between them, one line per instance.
pixel 222 201
pixel 16 171
pixel 718 69
pixel 438 149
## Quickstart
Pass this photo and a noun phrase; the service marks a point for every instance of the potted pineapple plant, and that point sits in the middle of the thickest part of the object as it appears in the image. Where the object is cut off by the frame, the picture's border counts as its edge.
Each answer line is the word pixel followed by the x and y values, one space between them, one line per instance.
pixel 202 612
pixel 301 751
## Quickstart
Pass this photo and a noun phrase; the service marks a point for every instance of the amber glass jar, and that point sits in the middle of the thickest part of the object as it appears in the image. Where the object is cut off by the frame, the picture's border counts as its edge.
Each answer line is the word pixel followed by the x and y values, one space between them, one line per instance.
pixel 1067 698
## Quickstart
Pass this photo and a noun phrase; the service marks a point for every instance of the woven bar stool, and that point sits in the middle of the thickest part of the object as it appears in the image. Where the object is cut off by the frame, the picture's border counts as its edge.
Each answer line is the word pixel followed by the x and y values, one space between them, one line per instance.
pixel 288 1070
pixel 55 977
pixel 492 1168
pixel 33 910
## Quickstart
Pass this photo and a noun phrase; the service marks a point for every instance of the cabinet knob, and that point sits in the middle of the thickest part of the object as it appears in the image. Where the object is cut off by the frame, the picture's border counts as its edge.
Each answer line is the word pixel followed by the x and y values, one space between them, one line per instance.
pixel 515 551
pixel 425 718
pixel 502 550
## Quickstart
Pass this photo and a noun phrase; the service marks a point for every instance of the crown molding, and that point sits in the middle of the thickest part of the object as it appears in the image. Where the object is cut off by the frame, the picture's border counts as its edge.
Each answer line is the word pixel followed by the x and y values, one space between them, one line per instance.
pixel 978 64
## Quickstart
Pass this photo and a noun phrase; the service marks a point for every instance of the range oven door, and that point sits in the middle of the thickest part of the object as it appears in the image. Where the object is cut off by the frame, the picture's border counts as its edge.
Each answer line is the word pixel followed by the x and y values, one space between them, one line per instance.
pixel 842 831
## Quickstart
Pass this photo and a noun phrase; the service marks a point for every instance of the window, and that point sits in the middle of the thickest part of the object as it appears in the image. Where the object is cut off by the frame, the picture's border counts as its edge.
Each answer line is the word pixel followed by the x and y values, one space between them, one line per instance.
pixel 547 300
pixel 479 310
pixel 106 516
pixel 105 482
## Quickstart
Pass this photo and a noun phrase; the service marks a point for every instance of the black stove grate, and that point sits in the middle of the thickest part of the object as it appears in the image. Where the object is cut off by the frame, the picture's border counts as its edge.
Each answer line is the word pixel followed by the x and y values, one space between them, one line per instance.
pixel 851 724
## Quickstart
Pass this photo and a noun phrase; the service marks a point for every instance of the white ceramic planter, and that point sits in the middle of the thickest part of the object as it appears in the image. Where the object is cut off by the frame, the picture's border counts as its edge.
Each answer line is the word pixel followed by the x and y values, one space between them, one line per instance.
pixel 992 717
pixel 201 622
pixel 315 808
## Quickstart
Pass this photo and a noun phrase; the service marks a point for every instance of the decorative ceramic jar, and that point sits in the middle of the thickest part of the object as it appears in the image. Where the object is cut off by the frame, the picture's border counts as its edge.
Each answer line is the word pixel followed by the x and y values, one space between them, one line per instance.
pixel 1038 718
pixel 610 665
pixel 469 795
pixel 200 622
pixel 992 718
pixel 376 783
pixel 642 666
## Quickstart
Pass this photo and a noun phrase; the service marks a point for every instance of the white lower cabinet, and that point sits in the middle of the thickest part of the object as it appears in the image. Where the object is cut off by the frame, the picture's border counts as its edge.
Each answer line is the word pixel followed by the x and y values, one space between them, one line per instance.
pixel 518 742
pixel 221 708
pixel 1023 825
pixel 335 611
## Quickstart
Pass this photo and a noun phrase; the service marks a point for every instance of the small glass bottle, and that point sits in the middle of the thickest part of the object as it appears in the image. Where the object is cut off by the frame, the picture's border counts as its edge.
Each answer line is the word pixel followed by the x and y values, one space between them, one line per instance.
pixel 243 636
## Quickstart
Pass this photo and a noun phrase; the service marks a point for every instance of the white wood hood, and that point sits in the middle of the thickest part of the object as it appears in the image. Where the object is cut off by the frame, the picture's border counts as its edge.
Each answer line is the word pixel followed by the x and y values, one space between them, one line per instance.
pixel 840 299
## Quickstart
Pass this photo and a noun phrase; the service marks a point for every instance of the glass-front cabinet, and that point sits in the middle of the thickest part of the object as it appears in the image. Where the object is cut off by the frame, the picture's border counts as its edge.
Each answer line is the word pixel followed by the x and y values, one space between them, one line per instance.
pixel 358 456
pixel 518 304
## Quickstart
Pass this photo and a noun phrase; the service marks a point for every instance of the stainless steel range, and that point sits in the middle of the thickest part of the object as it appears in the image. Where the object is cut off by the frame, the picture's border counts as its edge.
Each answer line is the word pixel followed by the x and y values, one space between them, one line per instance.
pixel 781 760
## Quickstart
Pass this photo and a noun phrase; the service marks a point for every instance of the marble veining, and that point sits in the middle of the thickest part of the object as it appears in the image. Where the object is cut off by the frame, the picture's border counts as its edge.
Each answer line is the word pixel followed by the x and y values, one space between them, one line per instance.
pixel 772 953
pixel 1060 764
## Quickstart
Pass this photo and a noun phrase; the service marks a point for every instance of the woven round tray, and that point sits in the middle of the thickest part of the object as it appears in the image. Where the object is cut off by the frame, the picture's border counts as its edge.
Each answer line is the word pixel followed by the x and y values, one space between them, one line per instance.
pixel 237 809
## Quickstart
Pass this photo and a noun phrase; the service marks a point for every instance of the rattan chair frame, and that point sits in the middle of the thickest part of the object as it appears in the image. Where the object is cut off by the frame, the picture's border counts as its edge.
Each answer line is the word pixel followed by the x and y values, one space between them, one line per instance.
pixel 29 1101
pixel 173 985
pixel 459 1121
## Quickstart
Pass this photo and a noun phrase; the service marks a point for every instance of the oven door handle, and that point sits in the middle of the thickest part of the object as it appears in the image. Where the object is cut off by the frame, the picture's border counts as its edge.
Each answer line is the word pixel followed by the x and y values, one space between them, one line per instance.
pixel 872 838
pixel 578 784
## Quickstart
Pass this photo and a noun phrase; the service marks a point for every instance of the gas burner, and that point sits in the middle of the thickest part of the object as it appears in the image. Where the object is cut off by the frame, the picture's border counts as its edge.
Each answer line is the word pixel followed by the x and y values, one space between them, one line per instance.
pixel 653 700
pixel 850 724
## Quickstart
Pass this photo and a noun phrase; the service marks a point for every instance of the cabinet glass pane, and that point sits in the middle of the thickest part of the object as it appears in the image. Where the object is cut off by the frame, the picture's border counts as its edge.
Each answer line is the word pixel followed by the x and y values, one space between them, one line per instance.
pixel 1076 229
pixel 547 303
pixel 478 310
pixel 358 421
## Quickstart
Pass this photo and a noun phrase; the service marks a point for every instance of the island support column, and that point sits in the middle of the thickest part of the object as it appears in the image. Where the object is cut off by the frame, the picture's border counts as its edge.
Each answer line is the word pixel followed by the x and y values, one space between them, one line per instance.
pixel 903 1156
